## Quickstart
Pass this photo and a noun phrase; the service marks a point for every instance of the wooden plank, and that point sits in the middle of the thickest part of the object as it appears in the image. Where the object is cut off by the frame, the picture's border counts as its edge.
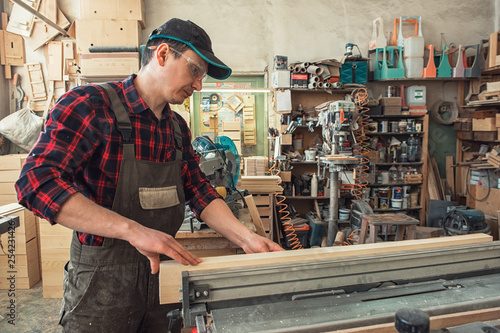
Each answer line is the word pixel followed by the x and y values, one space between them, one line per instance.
pixel 171 272
pixel 44 33
pixel 436 322
pixel 13 49
pixel 255 215
pixel 21 21
pixel 54 61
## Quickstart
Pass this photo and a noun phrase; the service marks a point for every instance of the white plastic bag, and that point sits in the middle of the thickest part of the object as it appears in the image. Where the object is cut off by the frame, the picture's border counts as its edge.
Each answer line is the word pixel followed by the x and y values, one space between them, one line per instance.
pixel 22 127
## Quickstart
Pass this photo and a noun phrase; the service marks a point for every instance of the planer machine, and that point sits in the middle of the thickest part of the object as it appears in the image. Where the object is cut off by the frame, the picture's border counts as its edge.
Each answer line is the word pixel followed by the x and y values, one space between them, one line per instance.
pixel 329 295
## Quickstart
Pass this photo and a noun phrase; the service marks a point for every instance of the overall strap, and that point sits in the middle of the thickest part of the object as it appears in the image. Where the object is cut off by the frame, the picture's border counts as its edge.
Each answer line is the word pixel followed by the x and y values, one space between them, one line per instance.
pixel 178 137
pixel 122 120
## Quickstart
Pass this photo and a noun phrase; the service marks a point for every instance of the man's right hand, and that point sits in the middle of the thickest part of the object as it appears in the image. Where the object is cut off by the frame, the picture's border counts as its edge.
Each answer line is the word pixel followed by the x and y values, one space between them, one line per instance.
pixel 151 243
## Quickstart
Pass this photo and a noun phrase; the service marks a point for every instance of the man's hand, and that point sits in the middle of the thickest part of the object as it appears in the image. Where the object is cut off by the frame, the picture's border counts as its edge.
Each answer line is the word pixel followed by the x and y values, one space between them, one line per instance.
pixel 152 243
pixel 256 244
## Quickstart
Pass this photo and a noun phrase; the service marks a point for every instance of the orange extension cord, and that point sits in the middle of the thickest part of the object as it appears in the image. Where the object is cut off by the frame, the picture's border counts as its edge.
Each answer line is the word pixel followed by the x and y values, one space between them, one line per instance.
pixel 360 97
pixel 285 218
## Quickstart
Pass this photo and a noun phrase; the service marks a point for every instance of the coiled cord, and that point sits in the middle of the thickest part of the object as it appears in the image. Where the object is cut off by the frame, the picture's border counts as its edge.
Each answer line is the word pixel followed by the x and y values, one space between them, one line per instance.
pixel 360 98
pixel 290 234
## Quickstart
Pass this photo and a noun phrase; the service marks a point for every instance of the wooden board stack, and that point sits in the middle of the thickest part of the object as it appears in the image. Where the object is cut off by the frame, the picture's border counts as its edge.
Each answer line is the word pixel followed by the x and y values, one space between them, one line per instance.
pixel 55 242
pixel 26 261
pixel 10 169
pixel 261 184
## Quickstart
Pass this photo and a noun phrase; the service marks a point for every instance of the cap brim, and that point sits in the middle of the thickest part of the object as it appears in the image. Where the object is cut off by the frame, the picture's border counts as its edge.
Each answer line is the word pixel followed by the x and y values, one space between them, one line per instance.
pixel 216 68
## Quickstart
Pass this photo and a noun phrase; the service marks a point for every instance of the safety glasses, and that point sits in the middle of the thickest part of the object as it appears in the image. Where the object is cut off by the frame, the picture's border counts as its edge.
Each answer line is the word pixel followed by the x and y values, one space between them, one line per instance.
pixel 196 70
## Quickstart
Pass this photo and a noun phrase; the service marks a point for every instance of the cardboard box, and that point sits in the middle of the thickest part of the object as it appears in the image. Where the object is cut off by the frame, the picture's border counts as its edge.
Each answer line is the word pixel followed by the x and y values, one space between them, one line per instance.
pixel 484 125
pixel 497 120
pixel 286 176
pixel 281 79
pixel 299 80
pixel 104 64
pixel 113 10
pixel 286 139
pixel 106 33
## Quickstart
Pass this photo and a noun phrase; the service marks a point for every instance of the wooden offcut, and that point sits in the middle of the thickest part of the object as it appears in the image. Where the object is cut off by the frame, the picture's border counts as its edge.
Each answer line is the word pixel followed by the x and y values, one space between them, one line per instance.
pixel 255 216
pixel 171 272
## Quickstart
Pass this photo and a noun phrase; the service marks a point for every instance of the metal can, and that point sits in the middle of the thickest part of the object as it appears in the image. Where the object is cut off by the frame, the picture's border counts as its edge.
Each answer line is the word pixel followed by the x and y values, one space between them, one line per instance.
pixel 383 126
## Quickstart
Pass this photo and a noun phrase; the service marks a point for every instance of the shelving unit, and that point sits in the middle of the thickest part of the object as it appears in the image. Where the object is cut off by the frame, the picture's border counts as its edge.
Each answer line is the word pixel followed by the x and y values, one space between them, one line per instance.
pixel 419 210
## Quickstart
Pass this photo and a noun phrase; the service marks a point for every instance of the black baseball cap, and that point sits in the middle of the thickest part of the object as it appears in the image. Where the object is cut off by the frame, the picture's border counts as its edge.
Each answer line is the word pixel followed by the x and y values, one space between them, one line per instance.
pixel 197 39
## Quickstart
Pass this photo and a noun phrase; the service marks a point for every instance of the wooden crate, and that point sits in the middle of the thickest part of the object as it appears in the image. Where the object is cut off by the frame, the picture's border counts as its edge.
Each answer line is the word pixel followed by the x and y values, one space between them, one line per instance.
pixel 106 33
pixel 55 243
pixel 113 10
pixel 104 64
pixel 484 125
pixel 264 203
pixel 413 179
pixel 26 266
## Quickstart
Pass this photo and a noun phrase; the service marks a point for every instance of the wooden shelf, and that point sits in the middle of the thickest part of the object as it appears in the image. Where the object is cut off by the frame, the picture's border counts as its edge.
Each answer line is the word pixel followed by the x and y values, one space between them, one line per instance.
pixel 393 184
pixel 400 163
pixel 392 133
pixel 396 210
pixel 405 116
pixel 491 71
pixel 303 197
pixel 427 79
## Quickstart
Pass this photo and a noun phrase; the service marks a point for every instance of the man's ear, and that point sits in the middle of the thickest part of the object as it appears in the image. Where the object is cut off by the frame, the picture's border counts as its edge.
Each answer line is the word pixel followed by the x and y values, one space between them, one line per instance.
pixel 162 53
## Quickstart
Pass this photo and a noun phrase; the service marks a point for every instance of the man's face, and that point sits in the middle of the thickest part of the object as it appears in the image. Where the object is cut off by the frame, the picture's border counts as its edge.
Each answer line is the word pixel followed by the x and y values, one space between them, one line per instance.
pixel 185 75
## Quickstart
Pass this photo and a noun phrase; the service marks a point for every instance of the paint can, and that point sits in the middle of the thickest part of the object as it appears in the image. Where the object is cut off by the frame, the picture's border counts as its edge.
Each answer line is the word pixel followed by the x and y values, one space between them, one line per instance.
pixel 396 203
pixel 384 203
pixel 344 214
pixel 397 193
pixel 383 192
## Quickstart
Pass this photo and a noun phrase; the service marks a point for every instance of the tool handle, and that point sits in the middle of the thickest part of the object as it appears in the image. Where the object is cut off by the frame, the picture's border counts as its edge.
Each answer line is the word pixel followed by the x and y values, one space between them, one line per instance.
pixel 16 80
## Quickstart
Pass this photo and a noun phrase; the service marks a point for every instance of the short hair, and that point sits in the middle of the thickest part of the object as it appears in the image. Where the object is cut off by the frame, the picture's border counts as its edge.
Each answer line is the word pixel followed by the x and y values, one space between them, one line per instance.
pixel 148 51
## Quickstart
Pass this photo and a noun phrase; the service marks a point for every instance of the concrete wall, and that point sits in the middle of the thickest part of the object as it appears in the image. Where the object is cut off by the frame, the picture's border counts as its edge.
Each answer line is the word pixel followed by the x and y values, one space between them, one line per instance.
pixel 247 34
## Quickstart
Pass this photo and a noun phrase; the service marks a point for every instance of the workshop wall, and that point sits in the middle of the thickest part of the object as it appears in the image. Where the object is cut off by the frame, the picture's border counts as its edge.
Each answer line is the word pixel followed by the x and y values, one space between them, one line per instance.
pixel 248 34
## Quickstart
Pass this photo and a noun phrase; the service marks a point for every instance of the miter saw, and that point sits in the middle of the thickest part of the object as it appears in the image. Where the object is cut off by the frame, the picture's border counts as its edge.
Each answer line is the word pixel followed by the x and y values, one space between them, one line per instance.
pixel 220 162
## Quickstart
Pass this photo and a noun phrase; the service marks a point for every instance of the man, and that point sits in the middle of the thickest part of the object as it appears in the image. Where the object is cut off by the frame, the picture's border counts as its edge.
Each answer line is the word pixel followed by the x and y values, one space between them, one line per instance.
pixel 116 165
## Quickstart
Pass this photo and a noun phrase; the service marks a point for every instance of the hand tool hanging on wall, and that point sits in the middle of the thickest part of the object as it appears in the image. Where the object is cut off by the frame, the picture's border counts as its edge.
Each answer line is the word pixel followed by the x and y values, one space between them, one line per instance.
pixel 16 81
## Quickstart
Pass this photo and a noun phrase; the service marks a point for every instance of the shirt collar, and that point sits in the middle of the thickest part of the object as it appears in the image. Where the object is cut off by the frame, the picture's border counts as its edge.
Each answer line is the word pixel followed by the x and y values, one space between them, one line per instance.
pixel 135 101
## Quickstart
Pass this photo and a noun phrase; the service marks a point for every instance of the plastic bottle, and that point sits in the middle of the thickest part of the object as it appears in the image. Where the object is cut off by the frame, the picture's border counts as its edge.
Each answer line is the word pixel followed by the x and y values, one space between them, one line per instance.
pixel 379 177
pixel 412 149
pixel 393 154
pixel 418 149
pixel 381 153
pixel 314 186
pixel 401 173
pixel 404 152
pixel 393 174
